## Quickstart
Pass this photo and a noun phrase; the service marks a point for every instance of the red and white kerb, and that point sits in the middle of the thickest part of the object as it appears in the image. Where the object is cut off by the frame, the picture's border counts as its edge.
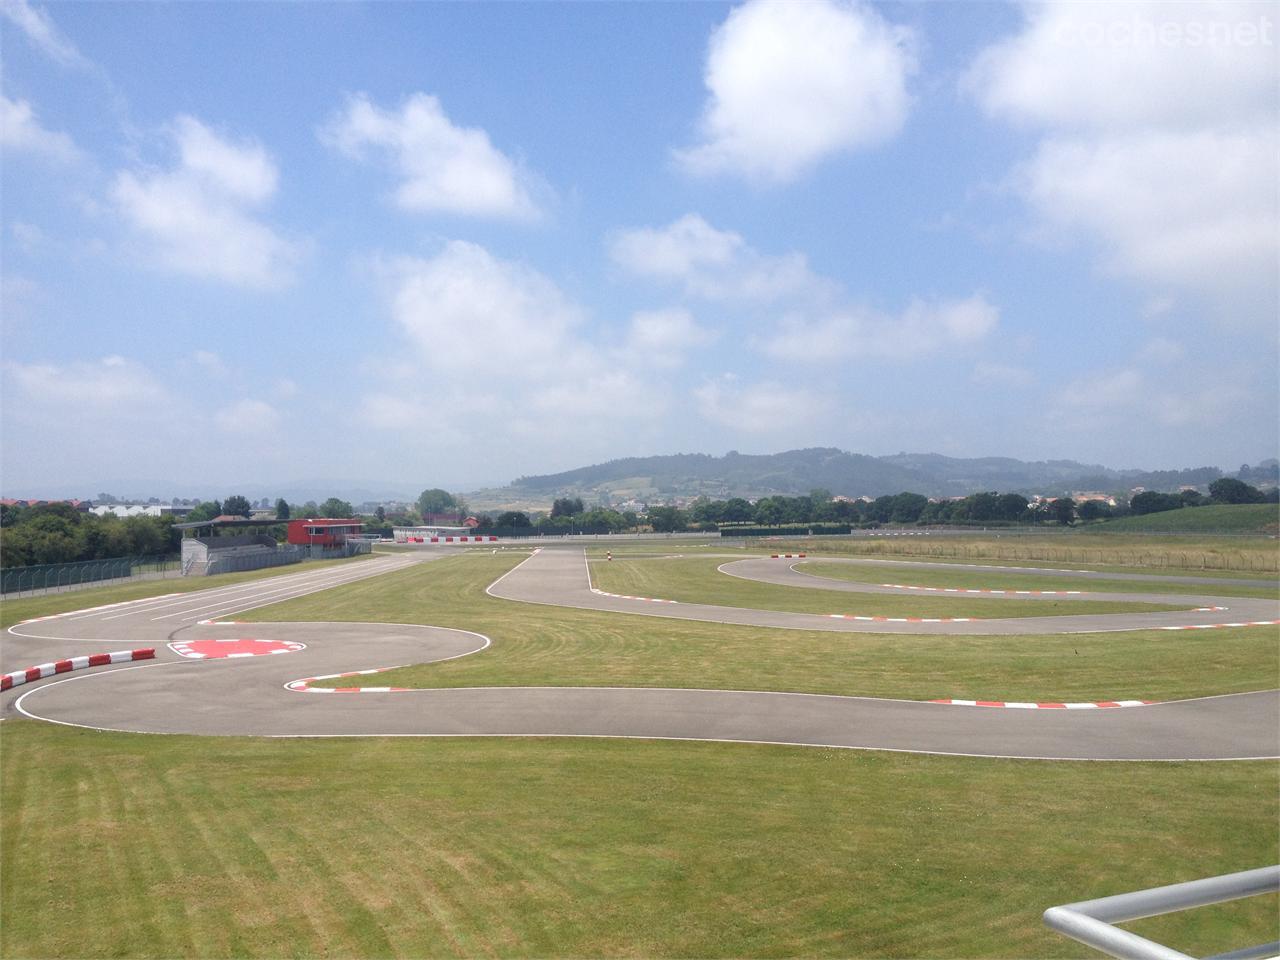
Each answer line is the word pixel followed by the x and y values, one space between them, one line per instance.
pixel 19 677
pixel 304 685
pixel 1097 705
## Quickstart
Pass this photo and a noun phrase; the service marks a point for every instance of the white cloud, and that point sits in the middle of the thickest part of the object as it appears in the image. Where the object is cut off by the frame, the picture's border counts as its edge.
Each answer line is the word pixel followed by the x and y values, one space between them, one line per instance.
pixel 1128 395
pixel 443 168
pixel 20 298
pixel 1113 66
pixel 792 83
pixel 989 373
pixel 1162 350
pixel 21 132
pixel 1159 126
pixel 816 323
pixel 247 417
pixel 210 362
pixel 593 400
pixel 196 218
pixel 88 388
pixel 465 301
pixel 240 170
pixel 663 337
pixel 714 264
pixel 42 32
pixel 763 408
pixel 29 236
pixel 1181 208
pixel 922 328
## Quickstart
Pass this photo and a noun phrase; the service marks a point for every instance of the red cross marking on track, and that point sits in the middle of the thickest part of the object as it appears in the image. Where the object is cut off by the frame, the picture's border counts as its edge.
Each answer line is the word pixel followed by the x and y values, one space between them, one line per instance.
pixel 241 647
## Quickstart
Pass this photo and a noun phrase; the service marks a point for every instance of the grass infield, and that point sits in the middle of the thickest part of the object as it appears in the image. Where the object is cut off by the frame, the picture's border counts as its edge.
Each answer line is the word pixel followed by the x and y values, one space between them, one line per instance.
pixel 549 646
pixel 996 580
pixel 1198 555
pixel 697 580
pixel 133 846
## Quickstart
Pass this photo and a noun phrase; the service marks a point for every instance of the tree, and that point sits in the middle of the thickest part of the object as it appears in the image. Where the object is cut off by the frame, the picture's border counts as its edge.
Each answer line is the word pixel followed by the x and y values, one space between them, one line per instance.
pixel 984 506
pixel 435 501
pixel 205 511
pixel 667 519
pixel 237 506
pixel 338 509
pixel 566 507
pixel 1094 510
pixel 1011 506
pixel 1231 490
pixel 1063 510
pixel 381 514
pixel 1152 501
pixel 282 509
pixel 513 518
pixel 768 511
pixel 907 507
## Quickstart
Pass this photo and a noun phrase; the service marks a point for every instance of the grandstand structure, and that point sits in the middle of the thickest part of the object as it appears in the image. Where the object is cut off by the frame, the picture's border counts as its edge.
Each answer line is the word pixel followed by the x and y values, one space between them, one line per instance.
pixel 227 544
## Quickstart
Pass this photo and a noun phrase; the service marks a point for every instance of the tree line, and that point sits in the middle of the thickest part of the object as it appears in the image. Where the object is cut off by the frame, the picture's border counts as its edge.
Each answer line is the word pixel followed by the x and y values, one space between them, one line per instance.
pixel 58 533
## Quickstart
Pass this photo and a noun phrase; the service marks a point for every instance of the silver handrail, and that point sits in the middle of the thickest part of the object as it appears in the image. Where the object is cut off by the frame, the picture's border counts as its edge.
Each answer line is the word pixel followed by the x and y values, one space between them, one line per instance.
pixel 1090 921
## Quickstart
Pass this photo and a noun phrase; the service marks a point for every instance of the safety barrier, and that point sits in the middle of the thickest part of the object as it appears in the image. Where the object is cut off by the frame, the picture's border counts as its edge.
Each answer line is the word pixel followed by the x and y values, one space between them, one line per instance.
pixel 58 576
pixel 1091 921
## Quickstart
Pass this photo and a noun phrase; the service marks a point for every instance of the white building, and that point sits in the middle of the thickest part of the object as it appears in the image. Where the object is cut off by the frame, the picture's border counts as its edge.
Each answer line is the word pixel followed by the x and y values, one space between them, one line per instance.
pixel 123 510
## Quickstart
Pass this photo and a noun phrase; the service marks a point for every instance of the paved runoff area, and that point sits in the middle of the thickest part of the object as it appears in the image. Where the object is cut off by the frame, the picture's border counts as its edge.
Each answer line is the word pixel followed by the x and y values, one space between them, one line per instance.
pixel 213 675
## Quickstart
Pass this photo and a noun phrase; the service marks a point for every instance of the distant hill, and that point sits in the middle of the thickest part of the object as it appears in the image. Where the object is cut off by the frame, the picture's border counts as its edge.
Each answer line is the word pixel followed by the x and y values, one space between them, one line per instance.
pixel 851 474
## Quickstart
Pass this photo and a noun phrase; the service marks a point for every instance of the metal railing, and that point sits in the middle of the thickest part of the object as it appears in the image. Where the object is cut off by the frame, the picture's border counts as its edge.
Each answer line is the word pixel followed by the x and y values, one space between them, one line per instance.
pixel 65 576
pixel 1091 921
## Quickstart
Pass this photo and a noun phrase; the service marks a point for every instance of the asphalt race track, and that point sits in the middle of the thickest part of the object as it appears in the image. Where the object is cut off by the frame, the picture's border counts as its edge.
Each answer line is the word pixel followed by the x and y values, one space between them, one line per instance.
pixel 252 695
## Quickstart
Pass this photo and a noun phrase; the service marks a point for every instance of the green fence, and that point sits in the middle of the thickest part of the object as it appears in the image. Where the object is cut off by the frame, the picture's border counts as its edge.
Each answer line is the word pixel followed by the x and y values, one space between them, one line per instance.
pixel 54 576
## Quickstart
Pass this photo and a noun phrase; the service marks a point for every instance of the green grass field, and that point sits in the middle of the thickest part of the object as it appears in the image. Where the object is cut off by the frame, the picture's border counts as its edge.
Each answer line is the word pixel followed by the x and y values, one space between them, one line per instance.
pixel 995 580
pixel 1199 555
pixel 157 846
pixel 539 645
pixel 118 845
pixel 697 580
pixel 1214 518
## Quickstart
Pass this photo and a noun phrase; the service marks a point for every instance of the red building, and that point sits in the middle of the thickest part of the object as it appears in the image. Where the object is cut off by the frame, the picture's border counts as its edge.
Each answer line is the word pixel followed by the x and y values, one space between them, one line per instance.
pixel 322 533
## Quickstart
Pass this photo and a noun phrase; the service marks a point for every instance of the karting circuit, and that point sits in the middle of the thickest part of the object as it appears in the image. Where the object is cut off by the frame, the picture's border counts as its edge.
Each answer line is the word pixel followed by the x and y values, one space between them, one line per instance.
pixel 214 675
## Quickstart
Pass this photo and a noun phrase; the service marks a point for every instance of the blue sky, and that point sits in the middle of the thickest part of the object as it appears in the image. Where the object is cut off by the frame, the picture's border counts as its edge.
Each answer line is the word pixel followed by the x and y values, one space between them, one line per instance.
pixel 449 244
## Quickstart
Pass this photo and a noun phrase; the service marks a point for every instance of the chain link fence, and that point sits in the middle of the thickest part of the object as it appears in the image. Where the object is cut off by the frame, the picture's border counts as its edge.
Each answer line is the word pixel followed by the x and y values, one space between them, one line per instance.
pixel 54 577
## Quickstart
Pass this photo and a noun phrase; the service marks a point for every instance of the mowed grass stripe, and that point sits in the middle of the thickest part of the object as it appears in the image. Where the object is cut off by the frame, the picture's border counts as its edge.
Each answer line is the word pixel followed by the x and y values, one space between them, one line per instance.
pixel 698 580
pixel 1198 555
pixel 509 848
pixel 995 580
pixel 547 646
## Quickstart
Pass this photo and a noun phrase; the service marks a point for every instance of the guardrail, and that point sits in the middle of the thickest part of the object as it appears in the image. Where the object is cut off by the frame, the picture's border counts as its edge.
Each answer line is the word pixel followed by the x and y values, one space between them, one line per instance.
pixel 50 577
pixel 1091 921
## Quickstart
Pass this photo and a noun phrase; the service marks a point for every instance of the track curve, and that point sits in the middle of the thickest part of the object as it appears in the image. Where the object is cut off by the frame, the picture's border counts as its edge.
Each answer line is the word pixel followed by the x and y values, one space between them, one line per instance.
pixel 249 696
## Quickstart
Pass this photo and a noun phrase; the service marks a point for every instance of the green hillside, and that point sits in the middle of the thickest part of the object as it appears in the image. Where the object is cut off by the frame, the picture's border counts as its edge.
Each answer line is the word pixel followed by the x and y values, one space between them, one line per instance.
pixel 1216 518
pixel 795 472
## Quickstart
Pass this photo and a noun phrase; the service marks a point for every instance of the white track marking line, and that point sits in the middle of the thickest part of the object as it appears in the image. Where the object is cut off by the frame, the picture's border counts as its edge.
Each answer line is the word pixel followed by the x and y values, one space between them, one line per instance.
pixel 215 590
pixel 250 599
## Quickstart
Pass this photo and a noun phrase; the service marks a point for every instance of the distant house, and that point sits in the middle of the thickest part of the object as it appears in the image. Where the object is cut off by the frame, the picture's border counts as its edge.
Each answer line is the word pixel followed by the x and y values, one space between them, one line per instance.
pixel 471 522
pixel 325 532
pixel 80 505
